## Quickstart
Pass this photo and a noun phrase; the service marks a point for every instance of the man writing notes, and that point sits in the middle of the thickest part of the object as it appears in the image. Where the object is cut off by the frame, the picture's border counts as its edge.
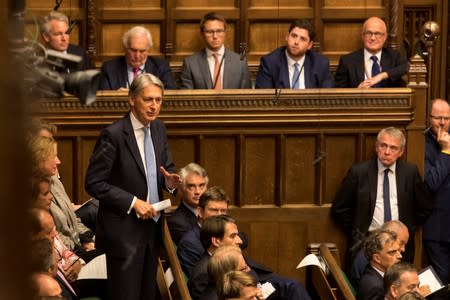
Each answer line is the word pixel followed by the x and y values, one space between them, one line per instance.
pixel 127 171
pixel 295 66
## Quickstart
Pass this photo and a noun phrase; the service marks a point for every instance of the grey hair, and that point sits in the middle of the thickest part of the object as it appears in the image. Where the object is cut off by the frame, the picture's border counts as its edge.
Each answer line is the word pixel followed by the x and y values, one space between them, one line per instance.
pixel 142 81
pixel 137 31
pixel 393 132
pixel 376 240
pixel 53 15
pixel 192 168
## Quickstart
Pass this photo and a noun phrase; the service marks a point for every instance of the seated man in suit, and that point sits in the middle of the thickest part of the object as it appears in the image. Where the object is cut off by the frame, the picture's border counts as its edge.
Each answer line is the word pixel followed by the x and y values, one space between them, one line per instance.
pixel 221 231
pixel 382 250
pixel 194 184
pixel 120 72
pixel 295 66
pixel 401 278
pixel 373 65
pixel 213 202
pixel 360 261
pixel 55 32
pixel 214 67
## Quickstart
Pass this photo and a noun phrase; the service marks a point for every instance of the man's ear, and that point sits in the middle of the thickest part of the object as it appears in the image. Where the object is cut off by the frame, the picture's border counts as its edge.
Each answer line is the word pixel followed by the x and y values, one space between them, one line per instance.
pixel 394 292
pixel 45 37
pixel 216 242
pixel 376 257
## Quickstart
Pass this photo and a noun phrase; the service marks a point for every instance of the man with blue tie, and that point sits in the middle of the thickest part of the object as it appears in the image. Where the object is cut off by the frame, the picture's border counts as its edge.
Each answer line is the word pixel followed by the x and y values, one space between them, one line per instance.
pixel 295 66
pixel 379 190
pixel 373 65
pixel 127 171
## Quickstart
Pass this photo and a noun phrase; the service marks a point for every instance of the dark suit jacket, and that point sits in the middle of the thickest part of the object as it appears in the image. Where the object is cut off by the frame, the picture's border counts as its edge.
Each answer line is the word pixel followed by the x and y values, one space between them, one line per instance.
pixel 354 202
pixel 196 74
pixel 371 285
pixel 65 290
pixel 115 75
pixel 350 71
pixel 181 221
pixel 190 249
pixel 85 63
pixel 437 178
pixel 114 176
pixel 274 71
pixel 199 279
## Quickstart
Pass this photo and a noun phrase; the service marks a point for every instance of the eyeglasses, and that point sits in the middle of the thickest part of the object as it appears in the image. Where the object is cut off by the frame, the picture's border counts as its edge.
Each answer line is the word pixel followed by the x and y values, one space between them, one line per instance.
pixel 440 118
pixel 377 34
pixel 212 32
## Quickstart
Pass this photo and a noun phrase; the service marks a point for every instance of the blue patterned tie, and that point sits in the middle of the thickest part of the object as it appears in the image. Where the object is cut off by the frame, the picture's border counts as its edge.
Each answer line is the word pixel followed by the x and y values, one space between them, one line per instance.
pixel 150 162
pixel 295 77
pixel 386 197
pixel 375 69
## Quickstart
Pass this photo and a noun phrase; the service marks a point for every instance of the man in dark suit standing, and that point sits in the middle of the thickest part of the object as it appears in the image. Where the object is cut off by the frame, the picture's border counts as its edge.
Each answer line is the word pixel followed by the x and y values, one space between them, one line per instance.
pixel 127 171
pixel 194 182
pixel 55 32
pixel 380 190
pixel 214 67
pixel 295 66
pixel 436 233
pixel 120 72
pixel 373 65
pixel 382 249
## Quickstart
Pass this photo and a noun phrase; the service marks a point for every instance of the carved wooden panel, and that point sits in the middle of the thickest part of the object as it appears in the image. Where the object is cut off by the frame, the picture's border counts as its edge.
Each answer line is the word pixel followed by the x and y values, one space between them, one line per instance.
pixel 205 4
pixel 300 172
pixel 341 152
pixel 352 3
pixel 259 170
pixel 50 4
pixel 219 156
pixel 130 4
pixel 277 32
pixel 112 38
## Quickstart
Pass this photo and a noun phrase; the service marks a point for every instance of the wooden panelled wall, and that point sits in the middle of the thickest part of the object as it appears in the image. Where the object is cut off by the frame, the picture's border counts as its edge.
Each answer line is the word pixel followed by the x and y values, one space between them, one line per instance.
pixel 259 26
pixel 281 159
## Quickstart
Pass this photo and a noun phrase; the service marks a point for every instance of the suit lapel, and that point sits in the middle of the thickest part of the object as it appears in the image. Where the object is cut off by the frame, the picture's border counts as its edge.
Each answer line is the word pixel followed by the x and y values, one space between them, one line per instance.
pixel 385 60
pixel 360 66
pixel 204 69
pixel 307 71
pixel 123 74
pixel 131 142
pixel 227 69
pixel 400 178
pixel 284 71
pixel 372 173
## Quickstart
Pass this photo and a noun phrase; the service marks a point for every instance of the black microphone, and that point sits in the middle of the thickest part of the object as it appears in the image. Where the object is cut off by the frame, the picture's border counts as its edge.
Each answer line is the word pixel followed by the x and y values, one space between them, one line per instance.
pixel 57 4
pixel 318 159
pixel 243 54
pixel 276 98
pixel 71 26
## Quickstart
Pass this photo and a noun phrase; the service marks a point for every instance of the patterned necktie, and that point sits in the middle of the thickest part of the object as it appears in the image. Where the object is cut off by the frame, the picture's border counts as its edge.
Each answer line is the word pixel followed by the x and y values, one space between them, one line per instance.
pixel 375 69
pixel 150 163
pixel 295 77
pixel 217 76
pixel 136 72
pixel 386 197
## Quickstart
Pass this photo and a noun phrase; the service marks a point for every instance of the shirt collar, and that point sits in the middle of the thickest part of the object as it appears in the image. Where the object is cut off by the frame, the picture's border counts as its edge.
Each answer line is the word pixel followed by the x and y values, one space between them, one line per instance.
pixel 221 51
pixel 135 123
pixel 367 55
pixel 141 68
pixel 291 61
pixel 381 168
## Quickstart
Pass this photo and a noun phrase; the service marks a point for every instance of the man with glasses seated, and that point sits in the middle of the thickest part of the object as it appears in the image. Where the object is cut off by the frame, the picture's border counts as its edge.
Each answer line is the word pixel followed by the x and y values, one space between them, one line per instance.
pixel 373 65
pixel 215 67
pixel 121 71
pixel 436 235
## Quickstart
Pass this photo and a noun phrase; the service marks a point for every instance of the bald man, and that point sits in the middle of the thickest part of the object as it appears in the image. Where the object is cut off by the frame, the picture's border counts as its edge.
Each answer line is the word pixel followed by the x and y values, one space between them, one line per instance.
pixel 373 65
